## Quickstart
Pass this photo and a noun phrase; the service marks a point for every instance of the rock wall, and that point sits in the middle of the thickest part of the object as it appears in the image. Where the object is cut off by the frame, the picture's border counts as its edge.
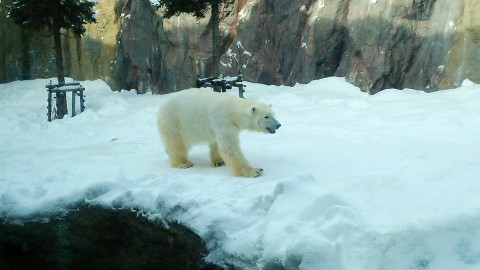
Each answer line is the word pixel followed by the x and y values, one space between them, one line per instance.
pixel 420 44
pixel 165 55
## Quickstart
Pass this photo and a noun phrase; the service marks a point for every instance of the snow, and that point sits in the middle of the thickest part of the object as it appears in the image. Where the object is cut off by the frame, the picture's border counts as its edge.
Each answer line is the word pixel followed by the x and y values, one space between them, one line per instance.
pixel 155 3
pixel 350 181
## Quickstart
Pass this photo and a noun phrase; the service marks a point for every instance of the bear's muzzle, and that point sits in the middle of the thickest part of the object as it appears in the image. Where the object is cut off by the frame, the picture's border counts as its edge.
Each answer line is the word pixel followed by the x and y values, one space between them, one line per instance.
pixel 273 128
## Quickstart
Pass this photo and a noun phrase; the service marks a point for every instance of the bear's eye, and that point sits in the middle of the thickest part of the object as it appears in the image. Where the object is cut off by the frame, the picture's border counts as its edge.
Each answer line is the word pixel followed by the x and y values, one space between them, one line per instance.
pixel 266 117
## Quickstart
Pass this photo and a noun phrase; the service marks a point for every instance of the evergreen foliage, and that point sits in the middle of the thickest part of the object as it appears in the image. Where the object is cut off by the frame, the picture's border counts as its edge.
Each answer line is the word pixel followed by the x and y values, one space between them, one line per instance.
pixel 197 8
pixel 65 14
pixel 54 15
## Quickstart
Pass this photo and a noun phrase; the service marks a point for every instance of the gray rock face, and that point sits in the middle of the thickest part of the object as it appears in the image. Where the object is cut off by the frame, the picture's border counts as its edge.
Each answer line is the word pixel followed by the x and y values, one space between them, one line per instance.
pixel 157 54
pixel 374 44
pixel 420 44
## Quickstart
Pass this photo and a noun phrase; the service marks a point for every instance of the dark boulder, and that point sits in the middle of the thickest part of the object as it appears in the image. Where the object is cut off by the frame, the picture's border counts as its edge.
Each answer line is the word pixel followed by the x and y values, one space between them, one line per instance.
pixel 93 237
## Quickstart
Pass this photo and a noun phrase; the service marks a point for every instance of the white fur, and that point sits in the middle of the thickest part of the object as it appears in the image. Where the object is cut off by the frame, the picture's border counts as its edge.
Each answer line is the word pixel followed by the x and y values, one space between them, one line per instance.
pixel 197 116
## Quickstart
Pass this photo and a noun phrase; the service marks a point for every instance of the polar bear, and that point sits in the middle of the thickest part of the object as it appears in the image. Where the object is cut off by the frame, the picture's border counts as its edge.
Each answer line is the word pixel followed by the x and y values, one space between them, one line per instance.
pixel 197 115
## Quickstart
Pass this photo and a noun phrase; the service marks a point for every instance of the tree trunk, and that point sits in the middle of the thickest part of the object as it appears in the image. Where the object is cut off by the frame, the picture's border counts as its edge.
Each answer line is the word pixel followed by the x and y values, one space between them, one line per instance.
pixel 26 64
pixel 78 42
pixel 216 46
pixel 61 97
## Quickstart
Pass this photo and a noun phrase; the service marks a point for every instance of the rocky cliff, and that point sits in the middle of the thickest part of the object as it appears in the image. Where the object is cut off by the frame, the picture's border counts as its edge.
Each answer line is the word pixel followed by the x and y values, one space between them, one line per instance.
pixel 420 44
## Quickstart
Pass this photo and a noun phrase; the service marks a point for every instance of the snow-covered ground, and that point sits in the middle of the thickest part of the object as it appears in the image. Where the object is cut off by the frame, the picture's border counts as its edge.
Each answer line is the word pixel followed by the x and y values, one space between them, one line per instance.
pixel 351 181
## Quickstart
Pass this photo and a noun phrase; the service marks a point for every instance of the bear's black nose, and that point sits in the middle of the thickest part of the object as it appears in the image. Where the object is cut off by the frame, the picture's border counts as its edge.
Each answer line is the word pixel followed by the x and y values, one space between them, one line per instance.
pixel 278 126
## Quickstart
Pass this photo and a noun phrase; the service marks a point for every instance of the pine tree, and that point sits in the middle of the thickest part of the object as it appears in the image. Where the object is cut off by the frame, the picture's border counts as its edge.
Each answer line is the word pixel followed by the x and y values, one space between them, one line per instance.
pixel 54 15
pixel 198 8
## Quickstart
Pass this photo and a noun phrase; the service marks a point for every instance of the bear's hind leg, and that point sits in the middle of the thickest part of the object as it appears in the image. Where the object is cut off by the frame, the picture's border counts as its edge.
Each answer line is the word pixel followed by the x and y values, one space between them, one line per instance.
pixel 178 153
pixel 215 157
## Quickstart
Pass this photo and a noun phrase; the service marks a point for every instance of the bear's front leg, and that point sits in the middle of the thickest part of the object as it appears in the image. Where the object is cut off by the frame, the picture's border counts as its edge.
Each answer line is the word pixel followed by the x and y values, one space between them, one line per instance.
pixel 250 172
pixel 231 153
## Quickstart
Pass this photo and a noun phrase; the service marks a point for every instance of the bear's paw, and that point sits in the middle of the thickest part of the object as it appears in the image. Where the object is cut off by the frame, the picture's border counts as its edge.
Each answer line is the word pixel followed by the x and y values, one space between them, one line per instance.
pixel 252 172
pixel 183 165
pixel 218 163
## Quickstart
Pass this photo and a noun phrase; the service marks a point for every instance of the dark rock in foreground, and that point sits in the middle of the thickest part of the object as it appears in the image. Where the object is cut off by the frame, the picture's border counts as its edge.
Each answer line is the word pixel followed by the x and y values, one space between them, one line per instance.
pixel 93 237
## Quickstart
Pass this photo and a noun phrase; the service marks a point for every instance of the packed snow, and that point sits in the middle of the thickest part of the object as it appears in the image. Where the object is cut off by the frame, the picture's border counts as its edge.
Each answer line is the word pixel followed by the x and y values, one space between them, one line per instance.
pixel 351 181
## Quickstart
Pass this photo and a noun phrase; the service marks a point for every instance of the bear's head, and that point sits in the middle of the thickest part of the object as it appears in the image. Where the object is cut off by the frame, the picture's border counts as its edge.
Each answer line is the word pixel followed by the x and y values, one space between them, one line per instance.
pixel 263 118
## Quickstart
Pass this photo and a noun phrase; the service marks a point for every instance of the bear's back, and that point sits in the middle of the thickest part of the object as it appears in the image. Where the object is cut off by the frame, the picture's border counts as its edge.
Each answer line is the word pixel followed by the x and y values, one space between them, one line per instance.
pixel 197 100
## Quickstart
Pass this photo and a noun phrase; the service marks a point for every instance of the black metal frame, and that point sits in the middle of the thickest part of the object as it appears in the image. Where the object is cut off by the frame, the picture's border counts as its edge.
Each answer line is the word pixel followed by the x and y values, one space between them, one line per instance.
pixel 222 84
pixel 62 89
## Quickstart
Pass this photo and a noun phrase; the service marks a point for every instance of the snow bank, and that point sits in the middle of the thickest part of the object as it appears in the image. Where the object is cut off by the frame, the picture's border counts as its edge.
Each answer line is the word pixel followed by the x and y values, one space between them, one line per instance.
pixel 351 181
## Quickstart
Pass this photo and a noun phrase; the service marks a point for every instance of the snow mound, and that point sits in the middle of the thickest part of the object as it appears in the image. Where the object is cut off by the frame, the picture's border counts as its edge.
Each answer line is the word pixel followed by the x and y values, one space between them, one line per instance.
pixel 351 181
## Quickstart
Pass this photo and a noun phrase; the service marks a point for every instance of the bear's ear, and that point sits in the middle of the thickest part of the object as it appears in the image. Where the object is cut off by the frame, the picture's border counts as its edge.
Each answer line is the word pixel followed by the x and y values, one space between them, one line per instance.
pixel 270 105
